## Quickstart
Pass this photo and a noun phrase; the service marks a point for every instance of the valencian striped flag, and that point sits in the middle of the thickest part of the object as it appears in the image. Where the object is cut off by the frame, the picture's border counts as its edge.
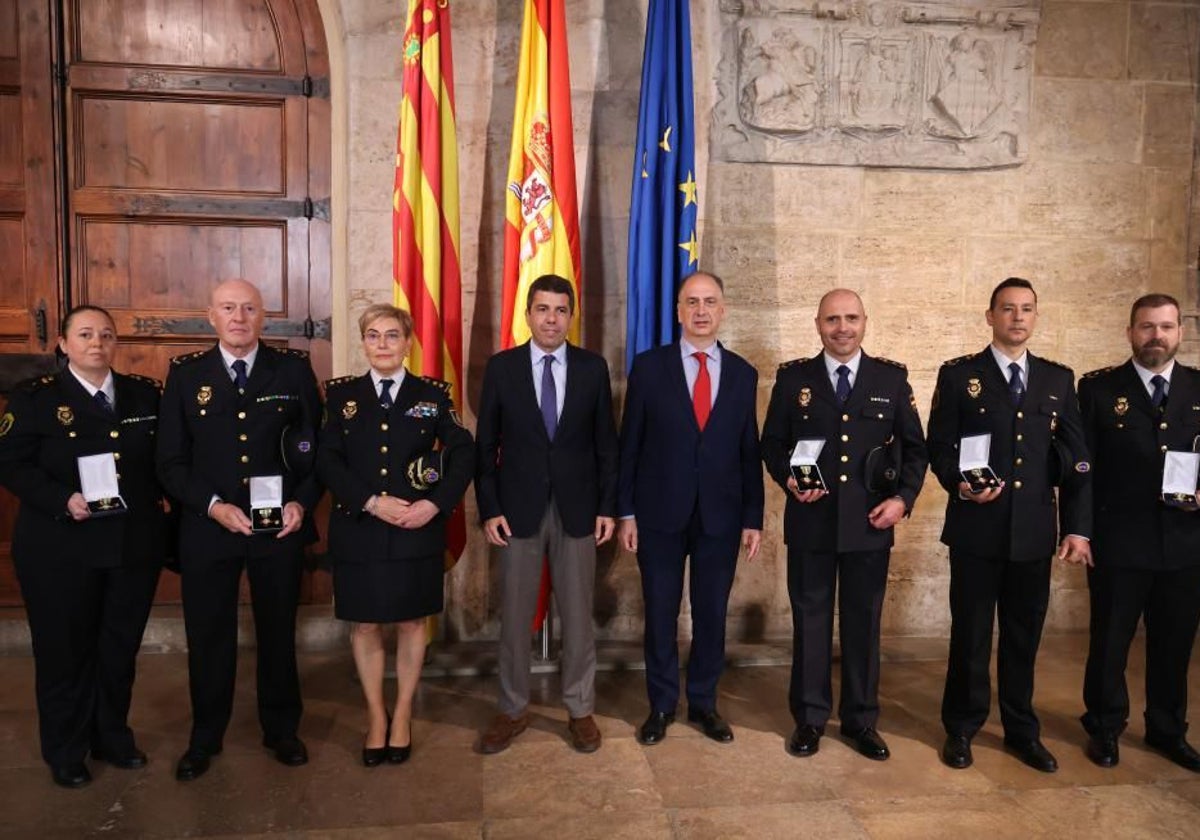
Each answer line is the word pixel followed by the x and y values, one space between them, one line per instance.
pixel 663 209
pixel 425 211
pixel 541 230
pixel 541 216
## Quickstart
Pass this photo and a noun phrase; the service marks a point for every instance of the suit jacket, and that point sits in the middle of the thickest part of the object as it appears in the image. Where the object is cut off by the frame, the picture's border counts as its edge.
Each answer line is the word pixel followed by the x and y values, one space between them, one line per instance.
pixel 211 440
pixel 669 468
pixel 972 397
pixel 366 451
pixel 519 467
pixel 1127 437
pixel 880 410
pixel 50 422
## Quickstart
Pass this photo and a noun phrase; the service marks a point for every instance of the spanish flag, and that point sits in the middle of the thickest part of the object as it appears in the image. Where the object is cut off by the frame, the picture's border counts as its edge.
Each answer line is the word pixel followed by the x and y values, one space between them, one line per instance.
pixel 541 216
pixel 541 230
pixel 425 212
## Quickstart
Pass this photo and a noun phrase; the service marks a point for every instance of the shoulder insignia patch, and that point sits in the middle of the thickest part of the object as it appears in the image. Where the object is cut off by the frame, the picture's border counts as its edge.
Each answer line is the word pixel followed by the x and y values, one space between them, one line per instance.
pixel 339 380
pixel 1093 373
pixel 188 357
pixel 291 351
pixel 891 362
pixel 146 379
pixel 440 384
pixel 793 362
pixel 958 360
pixel 37 383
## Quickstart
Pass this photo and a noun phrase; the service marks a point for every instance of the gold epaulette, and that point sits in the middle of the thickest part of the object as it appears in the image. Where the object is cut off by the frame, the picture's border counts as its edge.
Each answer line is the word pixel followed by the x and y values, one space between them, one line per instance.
pixel 1093 373
pixel 291 351
pixel 37 383
pixel 1056 364
pixel 441 384
pixel 891 362
pixel 146 379
pixel 793 362
pixel 339 380
pixel 958 360
pixel 188 357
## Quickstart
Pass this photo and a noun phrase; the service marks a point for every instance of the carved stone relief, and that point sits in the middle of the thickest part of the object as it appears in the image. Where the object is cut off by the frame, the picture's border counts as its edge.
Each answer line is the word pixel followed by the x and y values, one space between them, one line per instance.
pixel 885 83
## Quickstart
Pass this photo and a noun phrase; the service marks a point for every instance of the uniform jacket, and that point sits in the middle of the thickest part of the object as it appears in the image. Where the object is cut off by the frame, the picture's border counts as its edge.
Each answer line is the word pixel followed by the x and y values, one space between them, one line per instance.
pixel 519 467
pixel 1127 437
pixel 211 440
pixel 366 450
pixel 881 409
pixel 50 422
pixel 972 397
pixel 669 468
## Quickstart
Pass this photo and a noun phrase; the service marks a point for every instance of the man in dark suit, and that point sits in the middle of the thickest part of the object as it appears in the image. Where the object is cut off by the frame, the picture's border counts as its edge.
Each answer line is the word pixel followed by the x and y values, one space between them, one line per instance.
pixel 1146 552
pixel 546 488
pixel 224 412
pixel 1002 538
pixel 872 460
pixel 690 487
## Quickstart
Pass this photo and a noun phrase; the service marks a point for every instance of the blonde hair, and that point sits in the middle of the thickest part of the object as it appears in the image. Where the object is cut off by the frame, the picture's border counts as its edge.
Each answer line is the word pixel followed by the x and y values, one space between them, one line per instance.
pixel 376 311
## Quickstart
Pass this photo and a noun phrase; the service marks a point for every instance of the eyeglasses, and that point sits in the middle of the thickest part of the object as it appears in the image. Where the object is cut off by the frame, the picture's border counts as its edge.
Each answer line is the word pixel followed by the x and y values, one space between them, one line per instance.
pixel 389 337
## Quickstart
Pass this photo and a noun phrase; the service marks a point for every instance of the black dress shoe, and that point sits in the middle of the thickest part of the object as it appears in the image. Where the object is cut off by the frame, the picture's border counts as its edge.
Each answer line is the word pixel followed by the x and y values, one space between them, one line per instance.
pixel 956 752
pixel 290 750
pixel 194 763
pixel 71 775
pixel 655 727
pixel 133 760
pixel 1102 750
pixel 868 742
pixel 805 741
pixel 711 724
pixel 1034 753
pixel 1177 749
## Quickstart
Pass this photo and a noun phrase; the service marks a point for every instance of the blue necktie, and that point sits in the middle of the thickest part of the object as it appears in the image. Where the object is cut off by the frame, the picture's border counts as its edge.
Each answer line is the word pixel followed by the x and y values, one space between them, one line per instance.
pixel 385 393
pixel 1015 387
pixel 239 374
pixel 1159 397
pixel 107 407
pixel 549 398
pixel 843 384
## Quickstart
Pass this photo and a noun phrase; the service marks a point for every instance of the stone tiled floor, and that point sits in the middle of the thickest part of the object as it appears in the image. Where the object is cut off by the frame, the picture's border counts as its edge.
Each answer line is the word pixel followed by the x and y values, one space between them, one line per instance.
pixel 687 787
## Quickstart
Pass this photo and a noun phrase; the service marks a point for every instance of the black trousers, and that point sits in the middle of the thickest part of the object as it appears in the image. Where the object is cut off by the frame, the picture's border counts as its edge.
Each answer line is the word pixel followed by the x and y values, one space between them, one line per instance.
pixel 661 559
pixel 980 589
pixel 86 625
pixel 210 615
pixel 1168 601
pixel 859 578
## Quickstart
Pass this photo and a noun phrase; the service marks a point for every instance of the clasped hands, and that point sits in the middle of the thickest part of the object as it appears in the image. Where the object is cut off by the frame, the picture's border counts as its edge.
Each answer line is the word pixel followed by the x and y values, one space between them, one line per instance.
pixel 881 517
pixel 233 519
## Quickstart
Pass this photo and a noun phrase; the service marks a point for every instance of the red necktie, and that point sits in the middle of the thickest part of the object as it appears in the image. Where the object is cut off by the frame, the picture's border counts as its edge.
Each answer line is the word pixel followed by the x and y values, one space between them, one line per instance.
pixel 702 392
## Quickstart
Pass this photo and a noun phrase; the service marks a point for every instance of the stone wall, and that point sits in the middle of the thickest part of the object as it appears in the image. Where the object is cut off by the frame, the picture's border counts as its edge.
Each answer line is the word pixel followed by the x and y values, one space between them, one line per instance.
pixel 1097 215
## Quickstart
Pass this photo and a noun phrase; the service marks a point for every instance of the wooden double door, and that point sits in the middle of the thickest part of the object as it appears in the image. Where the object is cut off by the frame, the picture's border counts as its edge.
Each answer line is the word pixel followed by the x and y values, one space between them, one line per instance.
pixel 148 150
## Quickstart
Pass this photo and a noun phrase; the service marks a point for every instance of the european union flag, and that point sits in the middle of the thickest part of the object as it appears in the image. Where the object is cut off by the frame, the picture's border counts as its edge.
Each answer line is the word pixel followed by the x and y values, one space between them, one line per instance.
pixel 662 211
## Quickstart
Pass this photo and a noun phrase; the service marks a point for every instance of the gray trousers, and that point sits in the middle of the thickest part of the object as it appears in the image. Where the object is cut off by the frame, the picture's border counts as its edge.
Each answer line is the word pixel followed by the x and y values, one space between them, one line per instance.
pixel 573 578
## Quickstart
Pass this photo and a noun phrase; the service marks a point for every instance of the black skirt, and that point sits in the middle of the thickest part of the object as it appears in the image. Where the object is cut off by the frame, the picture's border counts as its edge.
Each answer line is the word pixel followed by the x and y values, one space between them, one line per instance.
pixel 383 591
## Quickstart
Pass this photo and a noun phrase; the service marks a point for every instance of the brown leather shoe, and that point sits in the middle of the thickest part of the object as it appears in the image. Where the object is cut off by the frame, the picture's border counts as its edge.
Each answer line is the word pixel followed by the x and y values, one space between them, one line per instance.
pixel 501 731
pixel 585 735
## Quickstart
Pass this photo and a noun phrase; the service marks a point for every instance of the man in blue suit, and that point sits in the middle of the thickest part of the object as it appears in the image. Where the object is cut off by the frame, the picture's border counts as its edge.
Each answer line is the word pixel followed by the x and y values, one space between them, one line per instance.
pixel 690 486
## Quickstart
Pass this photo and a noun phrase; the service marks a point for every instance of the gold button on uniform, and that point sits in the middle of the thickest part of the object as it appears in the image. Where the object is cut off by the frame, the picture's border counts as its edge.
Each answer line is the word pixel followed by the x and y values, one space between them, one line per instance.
pixel 845 458
pixel 845 438
pixel 1017 484
pixel 845 417
pixel 242 437
pixel 1020 415
pixel 114 434
pixel 383 449
pixel 1020 437
pixel 241 415
pixel 245 459
pixel 843 478
pixel 383 471
pixel 1163 447
pixel 383 427
pixel 1020 461
pixel 1162 426
pixel 116 456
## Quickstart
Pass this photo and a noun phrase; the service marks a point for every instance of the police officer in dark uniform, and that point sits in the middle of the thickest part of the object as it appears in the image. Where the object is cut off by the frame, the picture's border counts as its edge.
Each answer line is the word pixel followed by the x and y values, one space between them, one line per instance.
pixel 1002 538
pixel 1146 552
pixel 873 464
pixel 87 568
pixel 393 495
pixel 224 414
